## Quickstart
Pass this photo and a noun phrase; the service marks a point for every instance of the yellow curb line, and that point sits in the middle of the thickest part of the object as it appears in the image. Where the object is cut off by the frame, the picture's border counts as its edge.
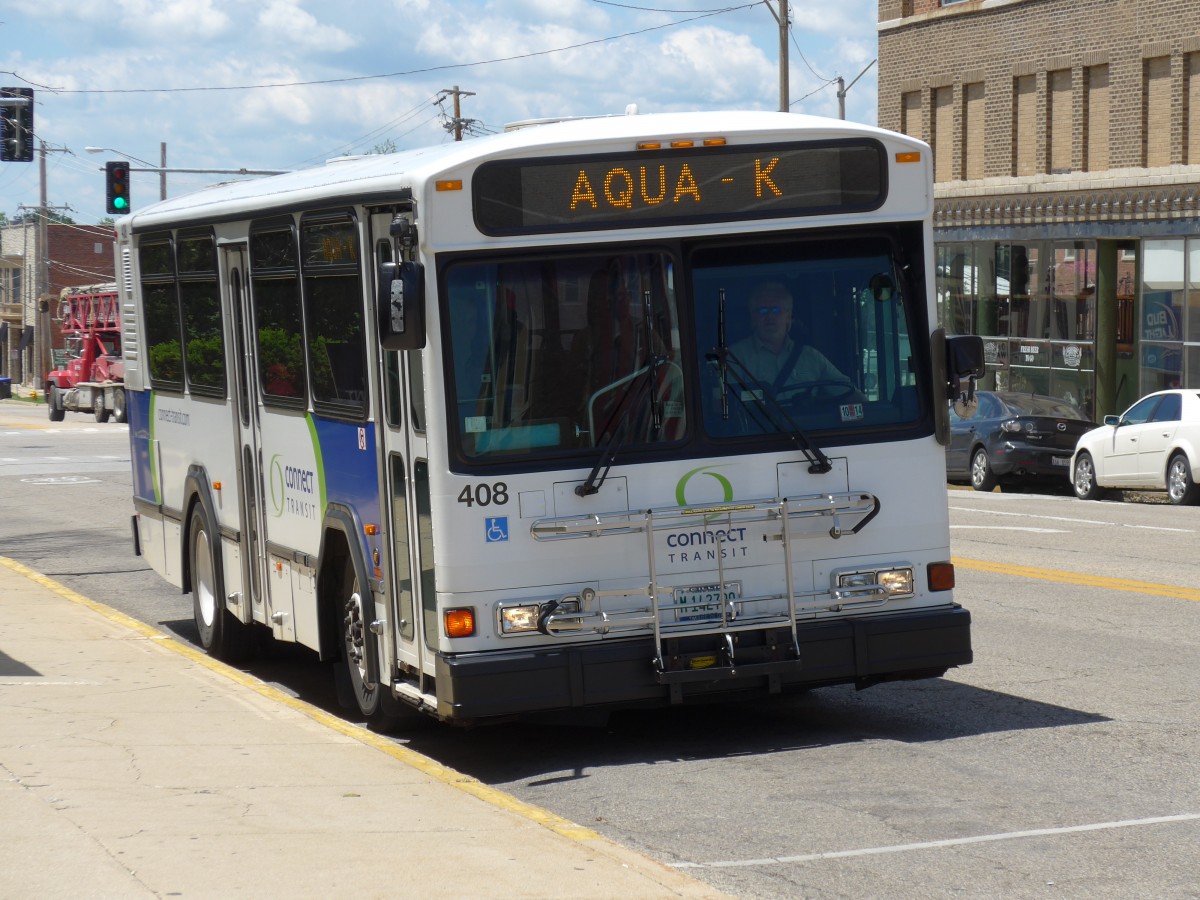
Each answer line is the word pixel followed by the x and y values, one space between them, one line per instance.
pixel 1100 581
pixel 430 767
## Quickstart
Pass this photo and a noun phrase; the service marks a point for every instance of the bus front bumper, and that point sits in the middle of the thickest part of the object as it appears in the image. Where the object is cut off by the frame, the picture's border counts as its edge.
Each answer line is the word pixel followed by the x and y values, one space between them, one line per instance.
pixel 863 650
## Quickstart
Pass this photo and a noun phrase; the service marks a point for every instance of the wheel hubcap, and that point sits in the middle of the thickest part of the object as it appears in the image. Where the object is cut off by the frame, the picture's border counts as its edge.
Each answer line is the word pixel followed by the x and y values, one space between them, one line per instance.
pixel 355 635
pixel 202 580
pixel 1176 485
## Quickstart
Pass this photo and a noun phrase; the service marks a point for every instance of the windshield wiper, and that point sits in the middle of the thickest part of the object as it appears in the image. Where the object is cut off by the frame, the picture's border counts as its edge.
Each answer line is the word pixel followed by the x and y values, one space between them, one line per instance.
pixel 616 438
pixel 729 364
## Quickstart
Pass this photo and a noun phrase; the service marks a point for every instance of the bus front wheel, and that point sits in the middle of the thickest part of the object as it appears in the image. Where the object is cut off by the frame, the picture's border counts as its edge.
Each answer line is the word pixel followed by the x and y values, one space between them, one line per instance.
pixel 376 706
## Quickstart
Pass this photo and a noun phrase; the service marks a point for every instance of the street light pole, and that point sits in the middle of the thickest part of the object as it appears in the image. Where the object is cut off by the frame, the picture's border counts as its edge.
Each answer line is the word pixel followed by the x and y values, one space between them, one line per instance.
pixel 843 87
pixel 161 169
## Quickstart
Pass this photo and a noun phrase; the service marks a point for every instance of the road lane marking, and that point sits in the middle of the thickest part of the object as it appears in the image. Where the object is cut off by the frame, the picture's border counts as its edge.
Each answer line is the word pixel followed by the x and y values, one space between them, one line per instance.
pixel 1077 578
pixel 1070 520
pixel 1029 528
pixel 936 845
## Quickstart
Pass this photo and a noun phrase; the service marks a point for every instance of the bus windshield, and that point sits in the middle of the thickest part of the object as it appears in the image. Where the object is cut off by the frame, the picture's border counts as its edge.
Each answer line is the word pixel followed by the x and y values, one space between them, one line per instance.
pixel 557 354
pixel 810 335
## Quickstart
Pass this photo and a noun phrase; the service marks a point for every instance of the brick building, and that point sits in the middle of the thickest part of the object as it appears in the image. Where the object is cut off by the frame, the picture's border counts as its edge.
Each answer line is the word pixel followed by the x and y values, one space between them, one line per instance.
pixel 1066 147
pixel 76 255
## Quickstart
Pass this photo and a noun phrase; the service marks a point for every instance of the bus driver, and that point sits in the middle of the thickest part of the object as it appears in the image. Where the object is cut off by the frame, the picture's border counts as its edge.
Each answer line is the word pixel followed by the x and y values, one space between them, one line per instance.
pixel 773 357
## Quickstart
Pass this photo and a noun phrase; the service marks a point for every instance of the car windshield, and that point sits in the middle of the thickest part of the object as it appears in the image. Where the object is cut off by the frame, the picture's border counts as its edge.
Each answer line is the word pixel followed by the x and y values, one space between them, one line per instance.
pixel 817 331
pixel 557 354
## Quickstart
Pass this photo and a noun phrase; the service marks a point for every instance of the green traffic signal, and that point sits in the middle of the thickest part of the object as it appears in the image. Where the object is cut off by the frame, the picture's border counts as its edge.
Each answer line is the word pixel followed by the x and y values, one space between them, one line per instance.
pixel 116 179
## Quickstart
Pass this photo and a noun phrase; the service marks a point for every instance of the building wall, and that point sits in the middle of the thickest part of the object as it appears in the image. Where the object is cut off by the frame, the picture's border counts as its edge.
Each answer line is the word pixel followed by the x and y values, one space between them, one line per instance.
pixel 1088 157
pixel 1147 48
pixel 77 255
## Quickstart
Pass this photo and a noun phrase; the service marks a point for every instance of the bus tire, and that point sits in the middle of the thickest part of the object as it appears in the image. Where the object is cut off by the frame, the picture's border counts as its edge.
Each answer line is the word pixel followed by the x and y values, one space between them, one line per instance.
pixel 221 635
pixel 57 411
pixel 370 699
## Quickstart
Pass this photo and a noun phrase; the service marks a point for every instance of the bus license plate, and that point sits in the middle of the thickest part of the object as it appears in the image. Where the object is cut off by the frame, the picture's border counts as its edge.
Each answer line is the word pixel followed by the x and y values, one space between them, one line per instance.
pixel 701 603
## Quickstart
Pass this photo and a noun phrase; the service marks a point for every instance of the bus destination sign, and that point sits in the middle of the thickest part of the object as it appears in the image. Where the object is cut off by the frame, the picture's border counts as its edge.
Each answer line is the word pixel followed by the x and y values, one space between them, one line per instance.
pixel 655 187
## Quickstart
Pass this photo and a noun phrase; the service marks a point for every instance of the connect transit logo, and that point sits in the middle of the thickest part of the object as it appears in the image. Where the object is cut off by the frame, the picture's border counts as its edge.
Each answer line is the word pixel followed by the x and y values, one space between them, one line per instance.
pixel 293 490
pixel 681 489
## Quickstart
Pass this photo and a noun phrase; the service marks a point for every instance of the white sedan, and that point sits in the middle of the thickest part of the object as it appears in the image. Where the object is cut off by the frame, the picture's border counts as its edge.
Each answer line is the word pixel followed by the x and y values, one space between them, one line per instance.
pixel 1154 446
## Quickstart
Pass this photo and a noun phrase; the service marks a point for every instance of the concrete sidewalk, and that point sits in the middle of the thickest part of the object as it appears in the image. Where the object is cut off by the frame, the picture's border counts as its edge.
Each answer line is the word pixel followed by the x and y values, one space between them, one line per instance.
pixel 132 765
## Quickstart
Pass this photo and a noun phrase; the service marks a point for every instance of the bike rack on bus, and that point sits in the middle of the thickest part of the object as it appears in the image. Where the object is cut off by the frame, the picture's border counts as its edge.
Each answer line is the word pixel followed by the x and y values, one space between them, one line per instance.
pixel 770 618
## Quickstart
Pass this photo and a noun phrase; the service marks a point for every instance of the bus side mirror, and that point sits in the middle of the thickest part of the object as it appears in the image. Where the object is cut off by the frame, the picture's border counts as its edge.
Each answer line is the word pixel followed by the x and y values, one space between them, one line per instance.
pixel 964 362
pixel 401 306
pixel 964 355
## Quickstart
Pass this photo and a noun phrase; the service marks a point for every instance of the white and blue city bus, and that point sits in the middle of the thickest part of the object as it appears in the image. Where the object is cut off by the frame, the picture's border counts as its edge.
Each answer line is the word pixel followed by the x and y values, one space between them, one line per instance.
pixel 480 422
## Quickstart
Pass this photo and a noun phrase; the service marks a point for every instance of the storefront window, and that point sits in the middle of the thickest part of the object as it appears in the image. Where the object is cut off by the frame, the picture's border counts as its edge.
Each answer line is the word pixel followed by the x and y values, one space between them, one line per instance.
pixel 957 288
pixel 1193 294
pixel 1162 309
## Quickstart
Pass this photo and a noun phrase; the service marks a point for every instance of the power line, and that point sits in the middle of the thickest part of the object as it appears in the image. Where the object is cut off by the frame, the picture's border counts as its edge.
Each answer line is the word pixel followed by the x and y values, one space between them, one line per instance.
pixel 423 71
pixel 660 10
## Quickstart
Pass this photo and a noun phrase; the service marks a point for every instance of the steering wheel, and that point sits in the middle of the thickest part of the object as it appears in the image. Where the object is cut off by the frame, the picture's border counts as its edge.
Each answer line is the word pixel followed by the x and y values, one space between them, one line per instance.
pixel 824 390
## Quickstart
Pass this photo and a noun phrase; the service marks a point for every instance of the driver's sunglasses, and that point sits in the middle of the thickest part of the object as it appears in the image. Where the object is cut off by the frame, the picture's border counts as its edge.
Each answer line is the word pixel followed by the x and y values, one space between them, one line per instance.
pixel 764 310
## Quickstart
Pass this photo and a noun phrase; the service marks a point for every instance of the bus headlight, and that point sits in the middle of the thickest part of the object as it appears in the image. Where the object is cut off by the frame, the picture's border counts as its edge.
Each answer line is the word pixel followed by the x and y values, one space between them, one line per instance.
pixel 517 619
pixel 897 582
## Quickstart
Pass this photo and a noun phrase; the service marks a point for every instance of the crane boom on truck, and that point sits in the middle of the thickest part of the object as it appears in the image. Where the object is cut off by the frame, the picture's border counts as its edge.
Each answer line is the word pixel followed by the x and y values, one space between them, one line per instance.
pixel 90 377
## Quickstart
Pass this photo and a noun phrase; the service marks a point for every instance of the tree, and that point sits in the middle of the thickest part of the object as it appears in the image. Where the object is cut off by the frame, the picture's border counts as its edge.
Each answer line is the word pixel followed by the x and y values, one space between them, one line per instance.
pixel 52 218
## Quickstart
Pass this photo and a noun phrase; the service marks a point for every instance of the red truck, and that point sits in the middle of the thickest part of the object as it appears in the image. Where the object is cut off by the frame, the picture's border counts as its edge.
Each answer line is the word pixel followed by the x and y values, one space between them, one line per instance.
pixel 90 373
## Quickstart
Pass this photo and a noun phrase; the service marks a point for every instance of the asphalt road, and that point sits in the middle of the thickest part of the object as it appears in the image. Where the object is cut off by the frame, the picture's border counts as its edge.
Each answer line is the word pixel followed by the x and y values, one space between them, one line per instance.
pixel 1064 762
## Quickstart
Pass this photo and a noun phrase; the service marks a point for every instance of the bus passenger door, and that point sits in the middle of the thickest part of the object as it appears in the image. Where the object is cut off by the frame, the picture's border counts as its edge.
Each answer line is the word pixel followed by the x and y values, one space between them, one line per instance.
pixel 250 483
pixel 405 496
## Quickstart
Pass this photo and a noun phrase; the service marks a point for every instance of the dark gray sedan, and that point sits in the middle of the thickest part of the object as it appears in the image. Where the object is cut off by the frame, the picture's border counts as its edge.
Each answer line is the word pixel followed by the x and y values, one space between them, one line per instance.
pixel 1015 440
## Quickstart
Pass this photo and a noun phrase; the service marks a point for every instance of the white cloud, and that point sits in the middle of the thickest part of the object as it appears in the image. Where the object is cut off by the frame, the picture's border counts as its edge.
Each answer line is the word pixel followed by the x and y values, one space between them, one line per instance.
pixel 285 22
pixel 171 47
pixel 717 65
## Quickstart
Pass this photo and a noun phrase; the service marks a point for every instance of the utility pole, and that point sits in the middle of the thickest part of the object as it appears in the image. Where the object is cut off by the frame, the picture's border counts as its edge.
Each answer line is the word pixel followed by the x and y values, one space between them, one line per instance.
pixel 457 123
pixel 784 105
pixel 782 18
pixel 162 170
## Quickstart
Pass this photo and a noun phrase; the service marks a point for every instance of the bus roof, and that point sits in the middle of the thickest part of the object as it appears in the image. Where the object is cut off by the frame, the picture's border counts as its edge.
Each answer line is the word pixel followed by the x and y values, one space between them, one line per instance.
pixel 388 176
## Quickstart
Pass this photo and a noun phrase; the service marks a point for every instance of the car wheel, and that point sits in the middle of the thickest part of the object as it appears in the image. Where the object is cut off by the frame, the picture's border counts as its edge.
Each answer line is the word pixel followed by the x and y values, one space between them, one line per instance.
pixel 982 476
pixel 1085 484
pixel 1181 489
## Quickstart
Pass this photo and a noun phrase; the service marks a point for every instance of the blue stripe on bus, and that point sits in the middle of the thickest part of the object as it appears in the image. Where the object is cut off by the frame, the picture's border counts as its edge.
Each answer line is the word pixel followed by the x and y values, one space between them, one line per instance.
pixel 138 409
pixel 349 470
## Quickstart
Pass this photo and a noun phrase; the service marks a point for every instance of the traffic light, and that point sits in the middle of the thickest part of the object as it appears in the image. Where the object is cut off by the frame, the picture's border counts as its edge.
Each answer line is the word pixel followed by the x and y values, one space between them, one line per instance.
pixel 16 124
pixel 116 179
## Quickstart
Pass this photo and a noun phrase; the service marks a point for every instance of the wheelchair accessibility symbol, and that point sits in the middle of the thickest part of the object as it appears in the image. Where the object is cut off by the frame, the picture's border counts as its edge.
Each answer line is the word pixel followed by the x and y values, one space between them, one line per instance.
pixel 496 529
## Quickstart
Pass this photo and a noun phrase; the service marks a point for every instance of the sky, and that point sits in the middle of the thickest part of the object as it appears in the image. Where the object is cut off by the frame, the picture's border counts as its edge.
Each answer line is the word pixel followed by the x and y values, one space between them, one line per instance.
pixel 288 84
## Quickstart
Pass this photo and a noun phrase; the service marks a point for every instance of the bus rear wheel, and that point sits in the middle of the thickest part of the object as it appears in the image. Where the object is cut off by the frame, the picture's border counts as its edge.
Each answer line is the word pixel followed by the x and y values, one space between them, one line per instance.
pixel 221 634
